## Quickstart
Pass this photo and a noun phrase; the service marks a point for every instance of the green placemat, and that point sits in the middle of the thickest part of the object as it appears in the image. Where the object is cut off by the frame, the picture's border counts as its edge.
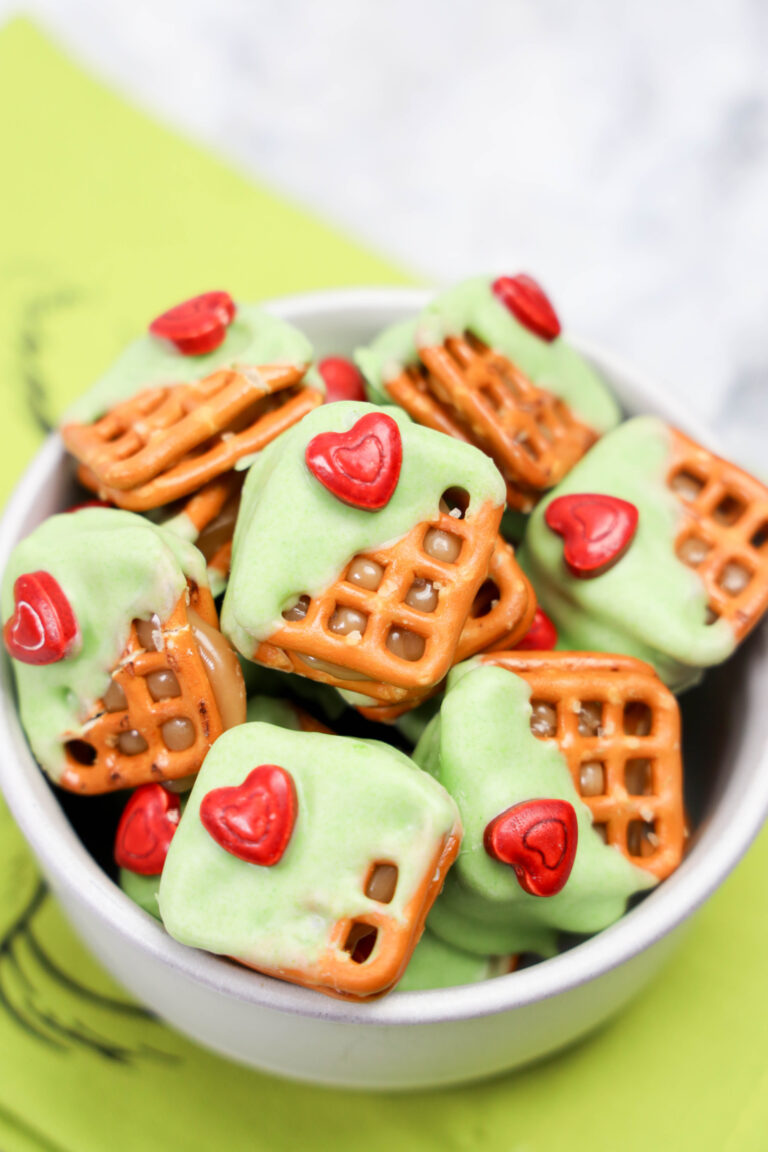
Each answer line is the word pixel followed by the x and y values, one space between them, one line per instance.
pixel 106 219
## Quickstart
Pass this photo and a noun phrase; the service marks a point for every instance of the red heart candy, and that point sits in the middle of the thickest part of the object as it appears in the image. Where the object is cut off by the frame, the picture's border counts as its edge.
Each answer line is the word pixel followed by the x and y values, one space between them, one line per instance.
pixel 43 628
pixel 538 839
pixel 528 302
pixel 146 828
pixel 253 821
pixel 360 467
pixel 89 504
pixel 541 636
pixel 597 530
pixel 342 380
pixel 198 325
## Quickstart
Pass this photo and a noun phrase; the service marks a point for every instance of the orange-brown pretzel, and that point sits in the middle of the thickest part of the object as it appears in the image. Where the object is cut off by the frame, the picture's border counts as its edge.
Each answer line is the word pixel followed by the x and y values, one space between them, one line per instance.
pixel 95 762
pixel 468 391
pixel 618 727
pixel 366 957
pixel 361 660
pixel 501 614
pixel 723 533
pixel 213 511
pixel 167 442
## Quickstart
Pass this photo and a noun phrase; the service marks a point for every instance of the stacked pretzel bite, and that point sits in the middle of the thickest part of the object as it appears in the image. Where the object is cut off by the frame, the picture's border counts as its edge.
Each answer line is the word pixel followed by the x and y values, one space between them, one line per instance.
pixel 364 741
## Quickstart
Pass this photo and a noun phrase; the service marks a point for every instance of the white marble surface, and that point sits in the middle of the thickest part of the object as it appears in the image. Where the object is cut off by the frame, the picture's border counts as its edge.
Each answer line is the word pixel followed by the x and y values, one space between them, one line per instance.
pixel 619 152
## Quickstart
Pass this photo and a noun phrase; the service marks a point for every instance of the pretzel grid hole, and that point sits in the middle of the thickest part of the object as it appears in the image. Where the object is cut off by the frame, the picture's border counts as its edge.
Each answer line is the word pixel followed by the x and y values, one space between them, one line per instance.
pixel 638 776
pixel 360 941
pixel 693 550
pixel 638 718
pixel 592 778
pixel 543 719
pixel 486 599
pixel 759 540
pixel 687 484
pixel 382 882
pixel 455 501
pixel 589 717
pixel 346 621
pixel 729 509
pixel 734 577
pixel 642 838
pixel 82 752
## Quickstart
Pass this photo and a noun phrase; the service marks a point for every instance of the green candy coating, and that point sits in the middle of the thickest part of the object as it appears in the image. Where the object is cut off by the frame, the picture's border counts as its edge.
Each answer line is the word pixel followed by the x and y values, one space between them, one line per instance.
pixel 436 964
pixel 359 802
pixel 113 567
pixel 472 307
pixel 253 338
pixel 294 538
pixel 649 604
pixel 481 749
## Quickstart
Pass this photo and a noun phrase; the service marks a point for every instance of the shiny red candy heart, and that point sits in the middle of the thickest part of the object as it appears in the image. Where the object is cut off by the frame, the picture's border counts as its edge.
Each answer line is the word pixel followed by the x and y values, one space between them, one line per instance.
pixel 146 828
pixel 597 530
pixel 43 628
pixel 253 821
pixel 360 467
pixel 538 839
pixel 529 304
pixel 342 380
pixel 89 504
pixel 198 325
pixel 541 636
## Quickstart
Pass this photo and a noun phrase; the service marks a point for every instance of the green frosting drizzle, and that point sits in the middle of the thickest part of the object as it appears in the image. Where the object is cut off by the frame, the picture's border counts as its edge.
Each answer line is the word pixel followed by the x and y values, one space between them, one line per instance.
pixel 483 752
pixel 358 802
pixel 113 567
pixel 294 538
pixel 436 964
pixel 650 604
pixel 472 307
pixel 253 338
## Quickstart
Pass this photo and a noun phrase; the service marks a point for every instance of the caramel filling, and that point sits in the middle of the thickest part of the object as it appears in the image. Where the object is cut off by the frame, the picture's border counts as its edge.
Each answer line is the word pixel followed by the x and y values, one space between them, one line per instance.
pixel 223 670
pixel 332 669
pixel 442 546
pixel 345 620
pixel 365 573
pixel 543 719
pixel 150 634
pixel 422 595
pixel 592 779
pixel 405 644
pixel 178 734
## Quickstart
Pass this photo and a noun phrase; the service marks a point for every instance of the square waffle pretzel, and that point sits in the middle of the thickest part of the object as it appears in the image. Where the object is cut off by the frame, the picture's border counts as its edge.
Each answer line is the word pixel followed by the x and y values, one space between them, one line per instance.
pixel 366 956
pixel 167 442
pixel 468 391
pixel 362 662
pixel 723 533
pixel 96 764
pixel 501 614
pixel 618 727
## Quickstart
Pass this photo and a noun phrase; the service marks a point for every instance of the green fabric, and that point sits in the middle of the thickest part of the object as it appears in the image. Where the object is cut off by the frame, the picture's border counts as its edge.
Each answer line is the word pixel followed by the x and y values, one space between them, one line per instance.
pixel 108 218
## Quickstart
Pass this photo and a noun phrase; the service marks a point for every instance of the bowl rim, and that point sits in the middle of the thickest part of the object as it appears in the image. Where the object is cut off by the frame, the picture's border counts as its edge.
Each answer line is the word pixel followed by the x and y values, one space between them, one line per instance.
pixel 74 874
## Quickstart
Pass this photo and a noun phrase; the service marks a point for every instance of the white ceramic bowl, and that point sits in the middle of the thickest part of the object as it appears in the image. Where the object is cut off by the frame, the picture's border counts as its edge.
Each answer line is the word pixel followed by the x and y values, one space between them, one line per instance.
pixel 413 1039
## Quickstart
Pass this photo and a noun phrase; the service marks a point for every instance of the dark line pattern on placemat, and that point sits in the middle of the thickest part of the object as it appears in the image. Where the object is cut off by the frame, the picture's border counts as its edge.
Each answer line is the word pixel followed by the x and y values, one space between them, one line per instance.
pixel 22 958
pixel 31 340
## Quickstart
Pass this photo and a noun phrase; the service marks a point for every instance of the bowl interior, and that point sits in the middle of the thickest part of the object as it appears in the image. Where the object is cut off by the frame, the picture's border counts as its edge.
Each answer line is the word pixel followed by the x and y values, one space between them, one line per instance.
pixel 725 730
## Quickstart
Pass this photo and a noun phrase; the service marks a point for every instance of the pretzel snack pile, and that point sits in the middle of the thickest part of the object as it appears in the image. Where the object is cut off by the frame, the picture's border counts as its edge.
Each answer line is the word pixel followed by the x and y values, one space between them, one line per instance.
pixel 366 740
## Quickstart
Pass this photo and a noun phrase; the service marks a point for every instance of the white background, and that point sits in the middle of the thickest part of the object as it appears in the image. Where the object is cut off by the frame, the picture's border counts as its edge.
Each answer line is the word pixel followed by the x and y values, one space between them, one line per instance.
pixel 616 151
